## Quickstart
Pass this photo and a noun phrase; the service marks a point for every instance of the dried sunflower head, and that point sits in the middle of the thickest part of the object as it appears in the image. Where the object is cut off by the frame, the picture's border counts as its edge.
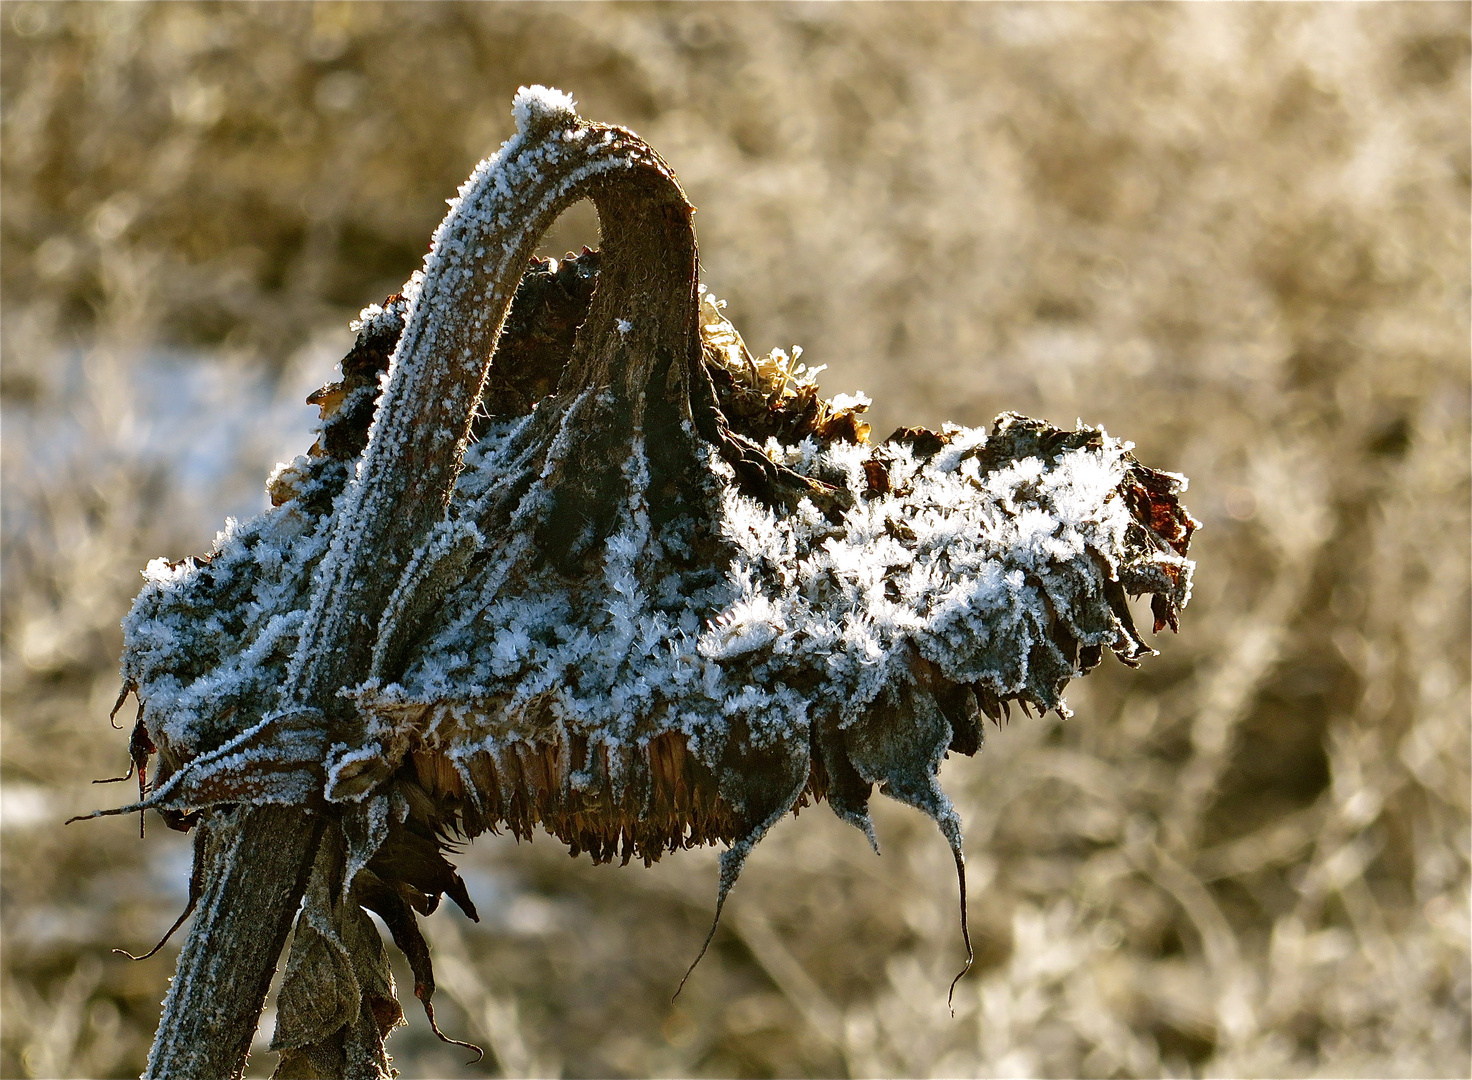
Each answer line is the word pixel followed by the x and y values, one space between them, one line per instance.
pixel 674 594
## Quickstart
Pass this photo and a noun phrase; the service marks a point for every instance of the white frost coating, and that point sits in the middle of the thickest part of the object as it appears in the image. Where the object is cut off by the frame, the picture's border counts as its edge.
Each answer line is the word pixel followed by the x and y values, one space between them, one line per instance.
pixel 441 554
pixel 166 1051
pixel 473 265
pixel 210 639
pixel 959 569
pixel 377 319
pixel 843 402
pixel 540 106
pixel 958 565
pixel 342 761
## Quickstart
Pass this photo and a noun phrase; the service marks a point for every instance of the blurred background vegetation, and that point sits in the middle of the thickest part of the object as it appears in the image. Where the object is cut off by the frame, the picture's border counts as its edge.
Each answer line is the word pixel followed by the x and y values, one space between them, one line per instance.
pixel 1235 234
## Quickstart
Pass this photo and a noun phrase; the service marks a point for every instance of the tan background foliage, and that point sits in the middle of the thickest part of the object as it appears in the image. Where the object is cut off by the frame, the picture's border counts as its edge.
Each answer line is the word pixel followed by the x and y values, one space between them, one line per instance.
pixel 1235 234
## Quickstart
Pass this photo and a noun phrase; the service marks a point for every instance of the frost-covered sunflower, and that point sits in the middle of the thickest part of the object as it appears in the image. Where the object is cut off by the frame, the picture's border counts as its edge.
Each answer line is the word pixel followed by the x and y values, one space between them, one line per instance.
pixel 668 592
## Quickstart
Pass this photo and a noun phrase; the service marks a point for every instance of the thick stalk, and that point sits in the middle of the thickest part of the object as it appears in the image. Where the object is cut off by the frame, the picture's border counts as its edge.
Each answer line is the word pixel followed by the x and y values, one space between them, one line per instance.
pixel 263 855
pixel 257 859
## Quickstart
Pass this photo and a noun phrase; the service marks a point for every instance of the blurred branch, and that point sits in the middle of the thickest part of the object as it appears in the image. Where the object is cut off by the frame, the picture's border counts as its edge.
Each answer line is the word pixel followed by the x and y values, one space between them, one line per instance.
pixel 496 1018
pixel 1236 1017
pixel 1252 649
pixel 1279 841
pixel 755 931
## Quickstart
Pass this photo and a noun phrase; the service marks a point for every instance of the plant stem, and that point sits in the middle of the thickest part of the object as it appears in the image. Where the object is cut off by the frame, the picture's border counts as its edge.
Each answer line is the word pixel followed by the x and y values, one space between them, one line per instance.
pixel 257 860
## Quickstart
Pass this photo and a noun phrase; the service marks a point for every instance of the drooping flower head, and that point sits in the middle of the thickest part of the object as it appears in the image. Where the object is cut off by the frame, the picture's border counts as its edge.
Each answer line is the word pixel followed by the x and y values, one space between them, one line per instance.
pixel 670 592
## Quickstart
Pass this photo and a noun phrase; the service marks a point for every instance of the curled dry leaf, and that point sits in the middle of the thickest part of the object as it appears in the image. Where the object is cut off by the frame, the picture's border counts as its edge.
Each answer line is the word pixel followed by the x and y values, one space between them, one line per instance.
pixel 674 593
